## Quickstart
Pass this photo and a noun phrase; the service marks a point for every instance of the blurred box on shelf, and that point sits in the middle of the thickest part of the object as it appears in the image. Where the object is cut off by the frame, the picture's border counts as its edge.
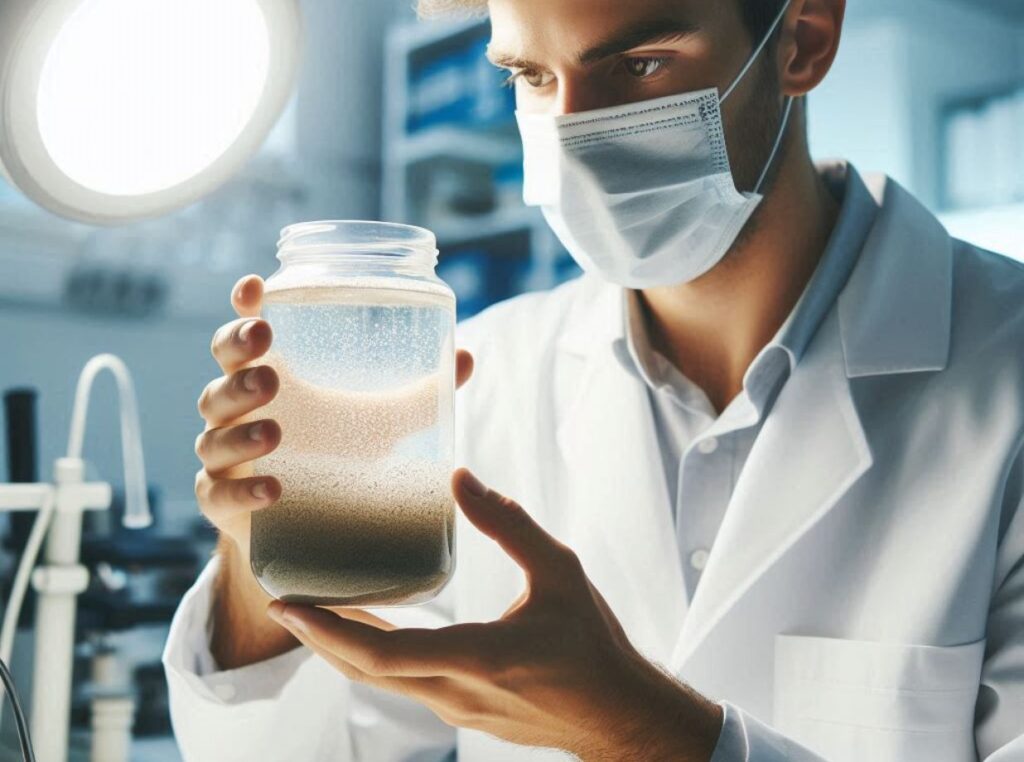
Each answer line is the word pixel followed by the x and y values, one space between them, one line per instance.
pixel 455 84
pixel 984 151
pixel 508 184
pixel 480 278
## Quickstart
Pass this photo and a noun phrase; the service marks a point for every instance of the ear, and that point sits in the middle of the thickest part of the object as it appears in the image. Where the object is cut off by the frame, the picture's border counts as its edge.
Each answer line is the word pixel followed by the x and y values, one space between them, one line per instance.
pixel 809 43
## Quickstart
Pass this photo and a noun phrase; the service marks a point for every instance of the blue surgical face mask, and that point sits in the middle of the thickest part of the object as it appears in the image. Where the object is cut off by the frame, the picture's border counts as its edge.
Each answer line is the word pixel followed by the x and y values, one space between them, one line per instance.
pixel 642 194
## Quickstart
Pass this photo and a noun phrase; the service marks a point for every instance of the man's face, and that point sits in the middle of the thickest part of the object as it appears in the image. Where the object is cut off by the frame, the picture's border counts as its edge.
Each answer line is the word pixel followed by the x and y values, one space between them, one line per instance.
pixel 567 56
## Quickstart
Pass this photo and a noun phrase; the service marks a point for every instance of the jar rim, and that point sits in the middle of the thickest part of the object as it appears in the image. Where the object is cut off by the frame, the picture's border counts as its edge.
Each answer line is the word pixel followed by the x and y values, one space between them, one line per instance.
pixel 363 236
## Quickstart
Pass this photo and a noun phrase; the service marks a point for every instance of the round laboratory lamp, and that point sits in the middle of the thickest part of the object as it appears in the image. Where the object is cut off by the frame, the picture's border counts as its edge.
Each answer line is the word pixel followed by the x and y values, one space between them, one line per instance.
pixel 116 110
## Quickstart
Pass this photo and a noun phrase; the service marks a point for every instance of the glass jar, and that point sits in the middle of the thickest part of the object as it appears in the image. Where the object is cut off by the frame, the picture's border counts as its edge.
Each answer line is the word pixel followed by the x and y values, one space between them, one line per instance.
pixel 364 349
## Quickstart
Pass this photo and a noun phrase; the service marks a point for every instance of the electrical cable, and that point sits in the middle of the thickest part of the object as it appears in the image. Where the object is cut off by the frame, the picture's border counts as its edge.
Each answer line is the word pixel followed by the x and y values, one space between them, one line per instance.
pixel 13 611
pixel 22 577
pixel 27 754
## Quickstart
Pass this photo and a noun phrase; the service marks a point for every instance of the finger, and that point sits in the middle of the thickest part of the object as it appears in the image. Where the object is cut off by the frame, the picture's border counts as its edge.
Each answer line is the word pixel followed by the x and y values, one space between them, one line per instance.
pixel 430 691
pixel 221 449
pixel 517 604
pixel 228 398
pixel 411 652
pixel 361 615
pixel 463 367
pixel 507 523
pixel 222 499
pixel 240 341
pixel 247 296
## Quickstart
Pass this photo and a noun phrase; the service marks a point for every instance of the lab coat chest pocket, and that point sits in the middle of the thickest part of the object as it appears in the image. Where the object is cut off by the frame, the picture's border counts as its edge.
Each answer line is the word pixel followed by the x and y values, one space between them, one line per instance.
pixel 855 700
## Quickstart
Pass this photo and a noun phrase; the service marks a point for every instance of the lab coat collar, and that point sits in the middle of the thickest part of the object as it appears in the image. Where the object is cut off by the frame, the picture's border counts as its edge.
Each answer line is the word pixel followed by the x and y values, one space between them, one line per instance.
pixel 895 313
pixel 895 310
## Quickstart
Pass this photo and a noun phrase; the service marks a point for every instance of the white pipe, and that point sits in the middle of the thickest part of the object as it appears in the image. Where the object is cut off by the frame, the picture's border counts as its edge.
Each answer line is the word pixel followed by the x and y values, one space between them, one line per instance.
pixel 136 501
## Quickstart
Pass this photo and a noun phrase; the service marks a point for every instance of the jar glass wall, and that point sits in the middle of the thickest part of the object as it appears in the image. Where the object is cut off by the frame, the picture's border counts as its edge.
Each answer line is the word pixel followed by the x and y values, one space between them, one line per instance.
pixel 363 346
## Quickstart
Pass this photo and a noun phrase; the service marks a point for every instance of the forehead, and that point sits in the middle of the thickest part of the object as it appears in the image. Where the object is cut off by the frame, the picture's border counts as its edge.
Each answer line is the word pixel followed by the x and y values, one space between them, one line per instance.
pixel 536 29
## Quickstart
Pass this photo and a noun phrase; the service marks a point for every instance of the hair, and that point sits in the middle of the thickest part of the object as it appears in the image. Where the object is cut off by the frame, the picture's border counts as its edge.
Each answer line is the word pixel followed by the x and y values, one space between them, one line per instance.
pixel 758 15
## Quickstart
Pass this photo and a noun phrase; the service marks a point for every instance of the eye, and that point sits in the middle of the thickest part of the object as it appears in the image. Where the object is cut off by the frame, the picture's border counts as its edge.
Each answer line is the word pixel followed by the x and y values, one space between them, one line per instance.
pixel 641 67
pixel 535 79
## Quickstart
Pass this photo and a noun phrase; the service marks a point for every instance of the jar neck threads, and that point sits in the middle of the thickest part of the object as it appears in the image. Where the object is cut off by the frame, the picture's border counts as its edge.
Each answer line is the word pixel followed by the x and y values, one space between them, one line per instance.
pixel 356 244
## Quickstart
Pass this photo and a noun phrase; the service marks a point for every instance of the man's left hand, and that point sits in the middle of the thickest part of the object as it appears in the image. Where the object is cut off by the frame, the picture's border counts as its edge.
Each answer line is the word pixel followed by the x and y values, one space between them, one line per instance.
pixel 556 670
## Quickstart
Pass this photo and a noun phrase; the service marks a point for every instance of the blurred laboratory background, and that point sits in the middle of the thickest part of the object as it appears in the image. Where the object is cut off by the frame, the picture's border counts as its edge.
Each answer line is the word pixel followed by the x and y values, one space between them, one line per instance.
pixel 401 120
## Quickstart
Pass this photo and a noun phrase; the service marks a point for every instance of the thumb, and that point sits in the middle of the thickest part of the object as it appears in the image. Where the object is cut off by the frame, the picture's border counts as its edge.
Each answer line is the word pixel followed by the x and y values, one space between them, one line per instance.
pixel 507 523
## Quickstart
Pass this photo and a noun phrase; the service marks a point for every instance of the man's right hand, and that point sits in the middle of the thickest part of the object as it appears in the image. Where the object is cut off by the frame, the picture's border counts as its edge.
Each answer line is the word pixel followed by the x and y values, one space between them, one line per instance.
pixel 227 490
pixel 234 436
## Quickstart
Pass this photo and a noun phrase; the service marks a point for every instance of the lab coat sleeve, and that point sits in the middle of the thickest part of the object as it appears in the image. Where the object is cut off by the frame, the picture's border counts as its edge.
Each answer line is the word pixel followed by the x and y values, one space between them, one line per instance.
pixel 291 707
pixel 745 739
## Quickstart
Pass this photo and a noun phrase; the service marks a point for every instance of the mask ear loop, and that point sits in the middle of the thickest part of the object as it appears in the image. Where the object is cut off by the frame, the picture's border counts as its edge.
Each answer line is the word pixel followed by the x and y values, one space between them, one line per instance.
pixel 778 143
pixel 757 51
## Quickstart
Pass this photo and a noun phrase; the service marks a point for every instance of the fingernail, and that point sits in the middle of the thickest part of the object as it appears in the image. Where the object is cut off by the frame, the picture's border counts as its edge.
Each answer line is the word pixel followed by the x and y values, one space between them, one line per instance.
pixel 251 380
pixel 243 332
pixel 256 433
pixel 473 485
pixel 291 621
pixel 259 491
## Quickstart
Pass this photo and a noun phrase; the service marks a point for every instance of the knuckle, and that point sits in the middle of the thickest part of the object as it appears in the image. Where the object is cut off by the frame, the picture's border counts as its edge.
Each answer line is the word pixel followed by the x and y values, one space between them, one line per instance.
pixel 217 341
pixel 202 445
pixel 447 716
pixel 348 670
pixel 466 714
pixel 511 678
pixel 203 405
pixel 202 487
pixel 377 663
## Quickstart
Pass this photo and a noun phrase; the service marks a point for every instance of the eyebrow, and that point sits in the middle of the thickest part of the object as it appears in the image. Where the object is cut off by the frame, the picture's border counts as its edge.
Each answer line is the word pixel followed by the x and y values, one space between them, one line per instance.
pixel 642 33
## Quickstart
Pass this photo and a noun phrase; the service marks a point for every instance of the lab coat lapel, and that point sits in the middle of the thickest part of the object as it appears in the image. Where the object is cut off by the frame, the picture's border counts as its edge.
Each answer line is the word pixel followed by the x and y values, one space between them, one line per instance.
pixel 621 517
pixel 893 316
pixel 810 451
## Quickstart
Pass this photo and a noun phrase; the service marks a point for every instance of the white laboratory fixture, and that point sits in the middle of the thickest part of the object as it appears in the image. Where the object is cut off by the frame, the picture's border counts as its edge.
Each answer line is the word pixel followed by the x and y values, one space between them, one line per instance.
pixel 61 577
pixel 116 110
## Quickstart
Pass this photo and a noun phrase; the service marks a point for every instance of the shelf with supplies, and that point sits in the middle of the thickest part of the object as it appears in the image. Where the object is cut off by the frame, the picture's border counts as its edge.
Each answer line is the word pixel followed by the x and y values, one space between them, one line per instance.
pixel 453 164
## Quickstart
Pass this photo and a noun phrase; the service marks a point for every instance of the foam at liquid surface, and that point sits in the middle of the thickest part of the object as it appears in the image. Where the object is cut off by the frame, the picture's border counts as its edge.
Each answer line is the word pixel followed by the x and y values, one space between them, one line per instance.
pixel 366 514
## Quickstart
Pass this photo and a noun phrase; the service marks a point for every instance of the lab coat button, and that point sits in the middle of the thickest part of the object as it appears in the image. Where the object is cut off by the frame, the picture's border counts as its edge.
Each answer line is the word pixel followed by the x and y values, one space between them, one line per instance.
pixel 708 446
pixel 224 691
pixel 699 559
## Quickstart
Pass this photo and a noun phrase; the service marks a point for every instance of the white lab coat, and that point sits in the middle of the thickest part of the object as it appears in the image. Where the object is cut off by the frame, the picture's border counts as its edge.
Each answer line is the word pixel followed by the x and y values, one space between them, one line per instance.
pixel 864 599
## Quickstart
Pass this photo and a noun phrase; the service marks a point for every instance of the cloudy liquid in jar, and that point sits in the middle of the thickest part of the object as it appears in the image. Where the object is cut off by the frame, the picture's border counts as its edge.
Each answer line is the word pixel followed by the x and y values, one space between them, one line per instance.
pixel 366 515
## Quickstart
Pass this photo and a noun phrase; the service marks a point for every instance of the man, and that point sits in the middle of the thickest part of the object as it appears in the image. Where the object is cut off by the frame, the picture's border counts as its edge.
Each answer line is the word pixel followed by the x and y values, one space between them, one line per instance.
pixel 768 450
